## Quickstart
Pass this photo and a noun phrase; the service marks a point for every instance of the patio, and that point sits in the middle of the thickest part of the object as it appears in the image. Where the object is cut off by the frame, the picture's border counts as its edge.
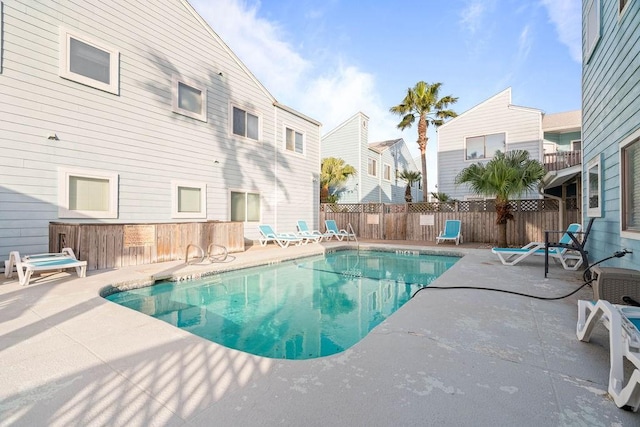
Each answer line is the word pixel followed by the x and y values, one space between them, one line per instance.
pixel 448 357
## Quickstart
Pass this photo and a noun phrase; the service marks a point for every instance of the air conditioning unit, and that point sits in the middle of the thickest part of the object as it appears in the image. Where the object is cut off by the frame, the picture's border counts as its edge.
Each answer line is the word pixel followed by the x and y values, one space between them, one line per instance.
pixel 612 284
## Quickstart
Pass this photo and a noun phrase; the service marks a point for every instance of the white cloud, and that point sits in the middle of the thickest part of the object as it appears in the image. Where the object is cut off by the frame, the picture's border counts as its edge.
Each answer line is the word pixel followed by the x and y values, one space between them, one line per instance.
pixel 259 43
pixel 471 16
pixel 524 43
pixel 342 92
pixel 566 15
pixel 330 93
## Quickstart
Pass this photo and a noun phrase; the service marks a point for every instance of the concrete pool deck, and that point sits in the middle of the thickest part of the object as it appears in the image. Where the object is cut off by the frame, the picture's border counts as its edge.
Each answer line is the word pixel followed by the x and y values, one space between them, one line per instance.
pixel 448 357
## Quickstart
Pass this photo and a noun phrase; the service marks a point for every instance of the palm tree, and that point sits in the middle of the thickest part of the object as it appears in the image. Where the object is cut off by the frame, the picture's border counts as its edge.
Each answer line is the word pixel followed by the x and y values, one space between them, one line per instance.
pixel 410 177
pixel 441 197
pixel 333 174
pixel 505 176
pixel 422 102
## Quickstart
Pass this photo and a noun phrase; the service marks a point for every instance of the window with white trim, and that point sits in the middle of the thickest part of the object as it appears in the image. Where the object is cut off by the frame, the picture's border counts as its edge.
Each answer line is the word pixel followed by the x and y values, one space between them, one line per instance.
pixel 485 146
pixel 594 187
pixel 372 167
pixel 245 206
pixel 630 187
pixel 89 62
pixel 189 98
pixel 245 124
pixel 294 141
pixel 592 28
pixel 87 194
pixel 188 199
pixel 386 172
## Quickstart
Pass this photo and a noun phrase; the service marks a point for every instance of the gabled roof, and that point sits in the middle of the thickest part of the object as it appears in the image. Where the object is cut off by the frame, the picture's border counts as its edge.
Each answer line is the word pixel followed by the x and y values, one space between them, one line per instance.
pixel 381 146
pixel 567 121
pixel 341 125
pixel 507 92
pixel 231 54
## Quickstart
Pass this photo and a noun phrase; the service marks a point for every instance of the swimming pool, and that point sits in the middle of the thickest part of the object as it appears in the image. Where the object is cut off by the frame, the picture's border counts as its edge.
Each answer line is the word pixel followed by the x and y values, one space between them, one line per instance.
pixel 301 309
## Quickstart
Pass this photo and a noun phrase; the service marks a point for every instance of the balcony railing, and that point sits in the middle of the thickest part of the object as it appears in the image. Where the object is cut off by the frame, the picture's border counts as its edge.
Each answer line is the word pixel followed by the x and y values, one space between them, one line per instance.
pixel 562 159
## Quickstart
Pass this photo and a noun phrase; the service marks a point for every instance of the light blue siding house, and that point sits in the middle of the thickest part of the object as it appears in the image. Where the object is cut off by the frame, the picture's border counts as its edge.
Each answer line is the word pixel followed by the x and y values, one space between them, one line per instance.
pixel 137 112
pixel 377 164
pixel 611 128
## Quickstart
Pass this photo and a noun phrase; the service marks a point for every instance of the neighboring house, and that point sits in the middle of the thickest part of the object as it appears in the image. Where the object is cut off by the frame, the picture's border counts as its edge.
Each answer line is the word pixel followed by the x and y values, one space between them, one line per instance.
pixel 137 112
pixel 611 128
pixel 562 156
pixel 497 124
pixel 377 164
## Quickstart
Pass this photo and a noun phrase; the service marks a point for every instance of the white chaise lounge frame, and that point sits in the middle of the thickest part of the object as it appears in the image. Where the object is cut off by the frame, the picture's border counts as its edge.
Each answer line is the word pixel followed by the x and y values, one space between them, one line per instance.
pixel 27 265
pixel 624 343
pixel 569 259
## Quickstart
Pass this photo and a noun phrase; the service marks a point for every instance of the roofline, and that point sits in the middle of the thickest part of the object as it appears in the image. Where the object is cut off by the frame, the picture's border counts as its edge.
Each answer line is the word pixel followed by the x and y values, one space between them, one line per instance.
pixel 527 109
pixel 213 34
pixel 475 107
pixel 296 113
pixel 341 125
pixel 396 141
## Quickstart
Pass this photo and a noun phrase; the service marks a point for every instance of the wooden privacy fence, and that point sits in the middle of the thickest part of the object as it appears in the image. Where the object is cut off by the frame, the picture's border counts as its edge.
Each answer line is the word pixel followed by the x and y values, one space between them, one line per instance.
pixel 120 245
pixel 424 221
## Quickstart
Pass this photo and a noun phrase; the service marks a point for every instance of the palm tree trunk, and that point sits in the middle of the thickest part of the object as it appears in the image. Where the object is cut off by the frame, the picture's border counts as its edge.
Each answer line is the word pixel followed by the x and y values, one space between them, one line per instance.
pixel 503 215
pixel 422 143
pixel 324 193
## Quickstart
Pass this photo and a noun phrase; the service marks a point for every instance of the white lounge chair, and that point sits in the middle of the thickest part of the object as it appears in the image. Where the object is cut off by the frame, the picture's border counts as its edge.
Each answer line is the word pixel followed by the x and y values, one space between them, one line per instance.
pixel 267 234
pixel 623 323
pixel 334 231
pixel 569 260
pixel 452 231
pixel 315 235
pixel 27 265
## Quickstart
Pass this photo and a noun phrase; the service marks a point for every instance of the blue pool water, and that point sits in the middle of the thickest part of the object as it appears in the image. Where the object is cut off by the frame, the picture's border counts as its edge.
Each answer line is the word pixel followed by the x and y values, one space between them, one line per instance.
pixel 301 309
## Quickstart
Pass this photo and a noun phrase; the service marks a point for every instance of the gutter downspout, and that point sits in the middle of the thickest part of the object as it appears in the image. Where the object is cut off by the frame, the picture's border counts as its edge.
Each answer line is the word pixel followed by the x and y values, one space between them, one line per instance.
pixel 275 166
pixel 561 204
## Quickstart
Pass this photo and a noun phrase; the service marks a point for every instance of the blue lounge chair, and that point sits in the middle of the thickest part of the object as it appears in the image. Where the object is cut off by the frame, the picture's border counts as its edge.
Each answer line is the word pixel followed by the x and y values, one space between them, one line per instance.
pixel 29 264
pixel 569 259
pixel 623 323
pixel 334 231
pixel 267 234
pixel 452 231
pixel 315 235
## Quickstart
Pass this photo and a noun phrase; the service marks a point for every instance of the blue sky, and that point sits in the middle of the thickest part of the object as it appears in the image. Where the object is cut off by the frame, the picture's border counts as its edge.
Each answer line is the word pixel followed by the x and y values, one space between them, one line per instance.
pixel 332 58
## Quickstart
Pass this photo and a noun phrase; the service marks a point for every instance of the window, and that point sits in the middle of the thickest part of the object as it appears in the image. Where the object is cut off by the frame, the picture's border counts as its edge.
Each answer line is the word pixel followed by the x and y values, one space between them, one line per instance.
pixel 245 124
pixel 245 206
pixel 88 62
pixel 188 200
pixel 622 4
pixel 592 24
pixel 189 99
pixel 484 147
pixel 594 196
pixel 372 167
pixel 87 194
pixel 386 172
pixel 294 141
pixel 630 187
pixel 576 145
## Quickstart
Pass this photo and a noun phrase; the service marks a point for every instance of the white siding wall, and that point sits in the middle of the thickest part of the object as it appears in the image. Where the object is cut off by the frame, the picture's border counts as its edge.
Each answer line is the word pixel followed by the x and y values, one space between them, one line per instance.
pixel 346 142
pixel 350 142
pixel 298 175
pixel 135 133
pixel 521 125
